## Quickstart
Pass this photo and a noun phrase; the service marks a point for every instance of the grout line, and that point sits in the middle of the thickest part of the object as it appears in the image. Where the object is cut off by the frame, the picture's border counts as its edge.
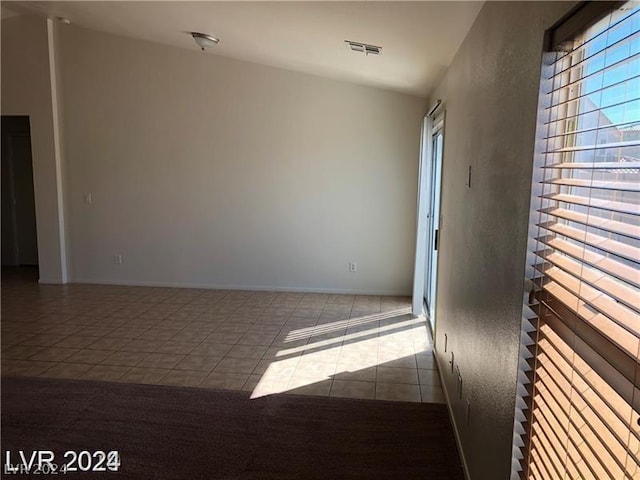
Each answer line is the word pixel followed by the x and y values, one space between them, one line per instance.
pixel 150 309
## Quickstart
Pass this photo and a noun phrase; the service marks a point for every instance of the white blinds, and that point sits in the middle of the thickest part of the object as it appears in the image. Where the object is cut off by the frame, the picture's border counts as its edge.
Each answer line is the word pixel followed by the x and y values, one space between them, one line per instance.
pixel 579 398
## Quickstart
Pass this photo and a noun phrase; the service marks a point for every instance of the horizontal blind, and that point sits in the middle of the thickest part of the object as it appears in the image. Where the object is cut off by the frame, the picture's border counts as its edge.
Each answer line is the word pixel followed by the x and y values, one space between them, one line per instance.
pixel 580 360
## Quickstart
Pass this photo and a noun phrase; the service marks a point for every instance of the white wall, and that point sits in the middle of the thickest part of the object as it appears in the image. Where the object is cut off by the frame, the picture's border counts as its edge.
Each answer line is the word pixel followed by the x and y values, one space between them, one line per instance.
pixel 490 94
pixel 26 90
pixel 205 171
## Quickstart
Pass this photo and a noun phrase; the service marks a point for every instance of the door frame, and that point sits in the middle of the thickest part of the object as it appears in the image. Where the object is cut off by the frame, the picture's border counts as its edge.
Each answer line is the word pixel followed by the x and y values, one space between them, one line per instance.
pixel 433 123
pixel 7 159
pixel 18 127
pixel 437 142
pixel 19 208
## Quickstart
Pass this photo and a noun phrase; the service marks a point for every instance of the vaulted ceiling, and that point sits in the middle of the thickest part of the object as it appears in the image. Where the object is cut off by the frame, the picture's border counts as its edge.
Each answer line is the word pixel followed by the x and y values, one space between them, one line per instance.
pixel 418 39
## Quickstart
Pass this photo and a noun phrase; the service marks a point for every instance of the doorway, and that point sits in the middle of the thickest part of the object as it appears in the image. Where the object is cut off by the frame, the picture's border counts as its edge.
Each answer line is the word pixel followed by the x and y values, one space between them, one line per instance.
pixel 432 188
pixel 428 231
pixel 19 234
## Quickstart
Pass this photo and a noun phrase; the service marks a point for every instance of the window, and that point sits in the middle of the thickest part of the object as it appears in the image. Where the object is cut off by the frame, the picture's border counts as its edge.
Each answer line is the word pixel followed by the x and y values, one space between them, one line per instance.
pixel 579 397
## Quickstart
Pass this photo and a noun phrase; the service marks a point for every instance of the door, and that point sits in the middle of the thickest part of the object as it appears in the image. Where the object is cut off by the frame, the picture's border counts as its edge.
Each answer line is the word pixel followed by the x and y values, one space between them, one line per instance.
pixel 19 236
pixel 432 191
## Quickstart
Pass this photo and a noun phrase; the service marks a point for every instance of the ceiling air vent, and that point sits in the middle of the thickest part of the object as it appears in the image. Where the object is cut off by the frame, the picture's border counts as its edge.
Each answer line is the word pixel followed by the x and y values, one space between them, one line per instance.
pixel 363 48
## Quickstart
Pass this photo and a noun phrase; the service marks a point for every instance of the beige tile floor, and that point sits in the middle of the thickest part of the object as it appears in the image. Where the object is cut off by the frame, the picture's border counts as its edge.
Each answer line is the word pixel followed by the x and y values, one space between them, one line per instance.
pixel 366 347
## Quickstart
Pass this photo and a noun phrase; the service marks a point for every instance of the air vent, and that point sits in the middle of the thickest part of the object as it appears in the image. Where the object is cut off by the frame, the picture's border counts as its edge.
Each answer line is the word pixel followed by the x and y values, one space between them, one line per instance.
pixel 363 48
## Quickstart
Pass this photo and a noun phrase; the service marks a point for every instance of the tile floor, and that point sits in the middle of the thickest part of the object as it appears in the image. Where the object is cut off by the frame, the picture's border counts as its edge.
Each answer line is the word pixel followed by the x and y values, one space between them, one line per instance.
pixel 365 347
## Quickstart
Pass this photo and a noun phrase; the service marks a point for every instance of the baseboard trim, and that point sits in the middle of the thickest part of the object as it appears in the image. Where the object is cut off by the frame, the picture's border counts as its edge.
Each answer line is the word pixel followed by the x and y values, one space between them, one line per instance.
pixel 258 288
pixel 51 281
pixel 465 467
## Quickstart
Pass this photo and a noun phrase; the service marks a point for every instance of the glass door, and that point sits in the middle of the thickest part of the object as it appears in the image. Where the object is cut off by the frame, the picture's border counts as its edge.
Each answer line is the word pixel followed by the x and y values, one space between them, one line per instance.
pixel 432 192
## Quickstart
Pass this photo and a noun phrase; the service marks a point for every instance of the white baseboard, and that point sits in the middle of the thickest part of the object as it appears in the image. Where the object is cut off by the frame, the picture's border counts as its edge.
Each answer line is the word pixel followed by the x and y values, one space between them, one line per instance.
pixel 51 281
pixel 260 288
pixel 465 468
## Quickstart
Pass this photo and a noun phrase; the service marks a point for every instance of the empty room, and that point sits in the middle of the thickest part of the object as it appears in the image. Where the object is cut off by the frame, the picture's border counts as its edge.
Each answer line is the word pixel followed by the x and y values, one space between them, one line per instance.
pixel 320 239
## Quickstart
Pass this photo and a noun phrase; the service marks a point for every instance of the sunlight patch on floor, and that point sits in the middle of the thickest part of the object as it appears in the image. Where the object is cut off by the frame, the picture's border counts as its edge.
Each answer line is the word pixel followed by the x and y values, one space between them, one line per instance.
pixel 379 341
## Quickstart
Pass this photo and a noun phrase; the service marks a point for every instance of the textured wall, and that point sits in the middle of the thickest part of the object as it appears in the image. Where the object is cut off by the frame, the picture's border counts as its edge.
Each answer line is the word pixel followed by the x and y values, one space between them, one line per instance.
pixel 206 171
pixel 490 93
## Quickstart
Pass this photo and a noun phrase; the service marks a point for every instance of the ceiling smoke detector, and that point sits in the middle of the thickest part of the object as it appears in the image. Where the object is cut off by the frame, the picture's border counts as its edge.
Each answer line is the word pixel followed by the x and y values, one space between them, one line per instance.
pixel 205 41
pixel 364 48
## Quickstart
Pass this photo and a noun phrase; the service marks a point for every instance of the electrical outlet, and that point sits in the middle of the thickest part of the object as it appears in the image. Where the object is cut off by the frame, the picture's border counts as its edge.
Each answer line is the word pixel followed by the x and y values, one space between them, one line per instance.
pixel 88 199
pixel 117 259
pixel 353 267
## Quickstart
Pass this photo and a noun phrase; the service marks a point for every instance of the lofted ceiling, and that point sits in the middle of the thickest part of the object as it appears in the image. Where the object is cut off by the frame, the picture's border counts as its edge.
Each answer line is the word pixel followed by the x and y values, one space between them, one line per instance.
pixel 418 39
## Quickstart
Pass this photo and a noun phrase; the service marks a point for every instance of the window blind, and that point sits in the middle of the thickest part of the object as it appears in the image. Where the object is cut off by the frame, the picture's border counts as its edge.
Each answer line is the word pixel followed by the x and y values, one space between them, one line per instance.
pixel 578 389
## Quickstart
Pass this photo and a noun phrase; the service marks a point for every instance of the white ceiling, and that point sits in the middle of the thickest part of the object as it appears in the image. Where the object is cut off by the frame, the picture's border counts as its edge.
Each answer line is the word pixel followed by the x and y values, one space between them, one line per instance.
pixel 418 39
pixel 7 13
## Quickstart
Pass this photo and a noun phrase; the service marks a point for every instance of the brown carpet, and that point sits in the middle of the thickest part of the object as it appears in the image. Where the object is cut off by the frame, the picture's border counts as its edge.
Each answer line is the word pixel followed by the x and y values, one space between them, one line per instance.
pixel 188 433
